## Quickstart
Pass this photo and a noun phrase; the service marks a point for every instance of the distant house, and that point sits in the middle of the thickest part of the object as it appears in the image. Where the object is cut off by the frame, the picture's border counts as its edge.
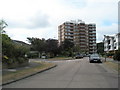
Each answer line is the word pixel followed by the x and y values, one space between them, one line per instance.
pixel 20 43
pixel 111 43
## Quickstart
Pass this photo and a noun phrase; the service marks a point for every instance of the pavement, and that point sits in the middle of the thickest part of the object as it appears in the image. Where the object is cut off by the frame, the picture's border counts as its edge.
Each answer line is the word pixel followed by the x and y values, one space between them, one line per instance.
pixel 78 73
pixel 110 60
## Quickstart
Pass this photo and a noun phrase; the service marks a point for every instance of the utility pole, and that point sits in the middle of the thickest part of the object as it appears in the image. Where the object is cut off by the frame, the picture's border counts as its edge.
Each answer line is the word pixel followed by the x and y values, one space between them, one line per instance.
pixel 105 56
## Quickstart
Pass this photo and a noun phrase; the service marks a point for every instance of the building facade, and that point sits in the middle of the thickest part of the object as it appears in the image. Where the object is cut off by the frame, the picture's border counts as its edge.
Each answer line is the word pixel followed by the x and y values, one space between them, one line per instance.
pixel 80 34
pixel 111 43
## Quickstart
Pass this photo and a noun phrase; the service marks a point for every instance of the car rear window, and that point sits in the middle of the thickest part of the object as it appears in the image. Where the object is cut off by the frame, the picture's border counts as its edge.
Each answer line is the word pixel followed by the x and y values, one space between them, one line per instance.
pixel 94 55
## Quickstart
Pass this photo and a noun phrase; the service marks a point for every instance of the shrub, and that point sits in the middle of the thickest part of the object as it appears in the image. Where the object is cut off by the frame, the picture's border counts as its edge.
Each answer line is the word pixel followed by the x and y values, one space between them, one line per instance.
pixel 12 53
pixel 117 55
pixel 22 60
pixel 7 60
pixel 110 54
pixel 32 55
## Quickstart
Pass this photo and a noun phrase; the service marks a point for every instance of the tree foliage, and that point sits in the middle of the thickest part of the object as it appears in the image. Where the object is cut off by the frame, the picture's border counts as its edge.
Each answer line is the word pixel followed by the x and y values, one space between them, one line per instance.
pixel 42 45
pixel 11 52
pixel 7 46
pixel 52 46
pixel 67 44
pixel 100 48
pixel 37 44
pixel 117 55
pixel 3 25
pixel 76 48
pixel 66 48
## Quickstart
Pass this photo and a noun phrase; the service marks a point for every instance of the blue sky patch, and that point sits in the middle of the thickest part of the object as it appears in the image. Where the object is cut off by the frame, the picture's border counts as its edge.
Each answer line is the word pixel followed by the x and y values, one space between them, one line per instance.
pixel 107 23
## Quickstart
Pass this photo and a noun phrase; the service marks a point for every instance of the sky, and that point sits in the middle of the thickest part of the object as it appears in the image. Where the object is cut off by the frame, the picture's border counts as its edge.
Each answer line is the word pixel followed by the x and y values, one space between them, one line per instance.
pixel 41 18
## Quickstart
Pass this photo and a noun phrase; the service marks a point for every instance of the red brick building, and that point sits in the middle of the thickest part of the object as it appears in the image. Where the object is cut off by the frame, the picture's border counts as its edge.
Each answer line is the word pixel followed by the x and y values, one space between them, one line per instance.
pixel 80 34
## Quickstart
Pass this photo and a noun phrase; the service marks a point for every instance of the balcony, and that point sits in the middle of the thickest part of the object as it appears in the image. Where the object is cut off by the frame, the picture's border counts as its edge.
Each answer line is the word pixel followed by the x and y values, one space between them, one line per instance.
pixel 68 37
pixel 92 32
pixel 92 35
pixel 92 38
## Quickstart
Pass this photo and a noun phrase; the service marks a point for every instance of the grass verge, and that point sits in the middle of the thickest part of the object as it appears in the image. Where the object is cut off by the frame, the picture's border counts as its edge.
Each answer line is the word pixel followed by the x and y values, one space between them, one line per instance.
pixel 13 76
pixel 113 65
pixel 60 58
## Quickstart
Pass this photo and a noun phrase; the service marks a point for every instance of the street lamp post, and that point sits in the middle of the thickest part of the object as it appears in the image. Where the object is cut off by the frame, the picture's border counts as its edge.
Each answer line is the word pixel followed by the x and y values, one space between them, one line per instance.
pixel 105 55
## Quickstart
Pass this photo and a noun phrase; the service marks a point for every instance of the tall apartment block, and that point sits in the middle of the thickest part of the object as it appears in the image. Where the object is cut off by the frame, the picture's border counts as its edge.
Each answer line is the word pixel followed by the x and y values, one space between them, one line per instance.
pixel 81 34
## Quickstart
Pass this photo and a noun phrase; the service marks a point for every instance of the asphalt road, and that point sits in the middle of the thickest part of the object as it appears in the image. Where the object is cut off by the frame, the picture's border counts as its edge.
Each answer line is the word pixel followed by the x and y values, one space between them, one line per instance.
pixel 77 73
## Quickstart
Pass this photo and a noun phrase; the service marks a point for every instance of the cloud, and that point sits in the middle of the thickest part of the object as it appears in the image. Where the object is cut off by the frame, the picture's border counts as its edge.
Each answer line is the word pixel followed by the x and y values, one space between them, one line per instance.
pixel 76 4
pixel 39 20
pixel 44 16
pixel 22 33
pixel 106 30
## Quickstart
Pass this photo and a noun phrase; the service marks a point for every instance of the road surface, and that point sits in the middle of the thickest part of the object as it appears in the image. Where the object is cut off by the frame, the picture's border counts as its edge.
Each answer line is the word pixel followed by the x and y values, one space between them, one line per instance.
pixel 77 73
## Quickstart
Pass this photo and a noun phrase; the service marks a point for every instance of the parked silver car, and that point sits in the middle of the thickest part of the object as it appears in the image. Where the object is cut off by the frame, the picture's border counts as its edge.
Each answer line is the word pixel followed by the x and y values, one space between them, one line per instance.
pixel 79 56
pixel 95 58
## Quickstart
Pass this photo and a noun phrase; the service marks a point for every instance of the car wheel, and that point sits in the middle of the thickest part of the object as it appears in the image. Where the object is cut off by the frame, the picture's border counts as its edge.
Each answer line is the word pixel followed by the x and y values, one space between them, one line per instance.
pixel 100 61
pixel 90 61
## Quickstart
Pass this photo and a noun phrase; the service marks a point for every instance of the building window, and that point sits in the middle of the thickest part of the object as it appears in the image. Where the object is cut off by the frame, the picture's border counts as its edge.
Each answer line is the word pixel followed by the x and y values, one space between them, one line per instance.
pixel 105 47
pixel 66 33
pixel 108 41
pixel 76 30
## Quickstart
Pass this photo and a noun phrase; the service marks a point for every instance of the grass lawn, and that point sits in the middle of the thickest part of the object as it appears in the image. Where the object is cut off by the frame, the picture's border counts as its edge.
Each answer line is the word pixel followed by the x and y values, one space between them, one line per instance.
pixel 25 72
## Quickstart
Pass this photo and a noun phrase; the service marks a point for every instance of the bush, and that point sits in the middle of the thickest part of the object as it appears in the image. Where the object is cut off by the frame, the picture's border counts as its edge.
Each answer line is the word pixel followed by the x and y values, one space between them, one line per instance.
pixel 12 53
pixel 32 55
pixel 8 61
pixel 20 60
pixel 102 54
pixel 117 55
pixel 110 54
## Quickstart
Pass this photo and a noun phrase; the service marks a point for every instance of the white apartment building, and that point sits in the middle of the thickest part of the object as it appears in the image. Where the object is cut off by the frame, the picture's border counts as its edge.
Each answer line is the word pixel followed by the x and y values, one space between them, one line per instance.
pixel 111 43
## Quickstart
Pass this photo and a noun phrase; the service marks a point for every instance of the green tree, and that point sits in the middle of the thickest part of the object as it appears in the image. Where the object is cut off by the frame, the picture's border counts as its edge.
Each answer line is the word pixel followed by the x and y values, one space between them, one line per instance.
pixel 37 44
pixel 100 48
pixel 66 48
pixel 117 55
pixel 52 46
pixel 67 44
pixel 11 52
pixel 7 46
pixel 44 46
pixel 3 25
pixel 77 48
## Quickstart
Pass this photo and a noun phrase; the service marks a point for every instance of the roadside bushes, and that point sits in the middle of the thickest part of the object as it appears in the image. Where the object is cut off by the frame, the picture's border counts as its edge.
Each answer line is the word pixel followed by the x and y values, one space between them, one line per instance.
pixel 117 55
pixel 14 62
pixel 110 54
pixel 22 60
pixel 12 54
pixel 32 55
